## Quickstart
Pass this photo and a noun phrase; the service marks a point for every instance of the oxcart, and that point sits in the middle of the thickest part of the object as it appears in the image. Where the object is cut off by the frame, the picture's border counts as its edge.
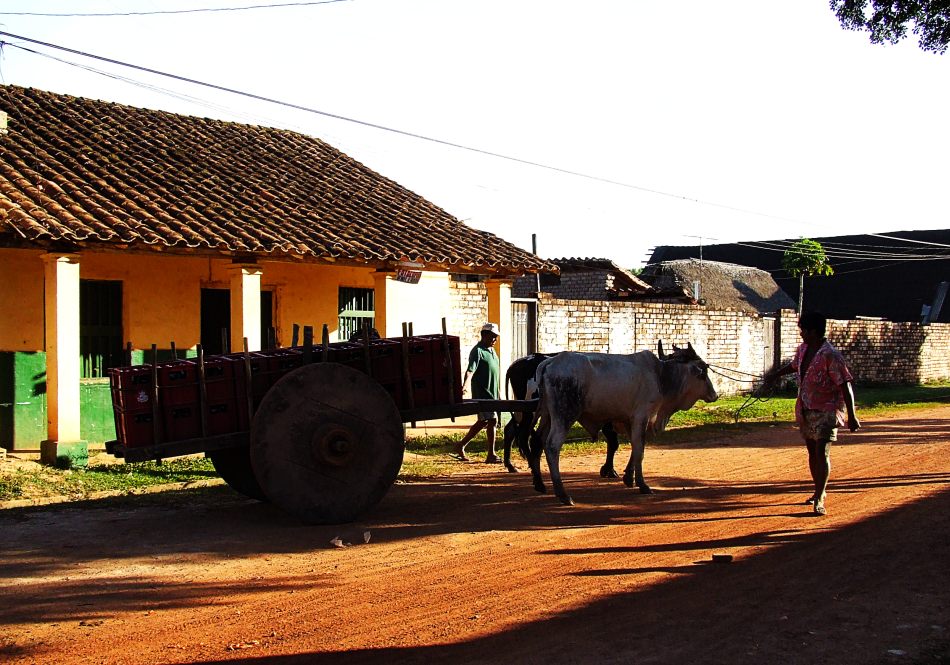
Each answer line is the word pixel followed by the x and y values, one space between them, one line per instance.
pixel 317 429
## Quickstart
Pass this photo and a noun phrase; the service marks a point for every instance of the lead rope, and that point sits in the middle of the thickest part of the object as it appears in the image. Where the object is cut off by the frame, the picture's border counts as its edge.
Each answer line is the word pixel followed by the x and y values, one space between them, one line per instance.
pixel 755 396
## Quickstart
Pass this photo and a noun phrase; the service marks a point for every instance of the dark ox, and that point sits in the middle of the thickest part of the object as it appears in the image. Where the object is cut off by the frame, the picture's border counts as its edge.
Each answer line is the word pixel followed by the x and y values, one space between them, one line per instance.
pixel 637 393
pixel 520 373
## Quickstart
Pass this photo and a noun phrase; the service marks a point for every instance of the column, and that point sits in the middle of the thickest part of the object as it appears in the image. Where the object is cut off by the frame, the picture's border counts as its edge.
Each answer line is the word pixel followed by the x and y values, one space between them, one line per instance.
pixel 388 322
pixel 245 306
pixel 499 311
pixel 64 445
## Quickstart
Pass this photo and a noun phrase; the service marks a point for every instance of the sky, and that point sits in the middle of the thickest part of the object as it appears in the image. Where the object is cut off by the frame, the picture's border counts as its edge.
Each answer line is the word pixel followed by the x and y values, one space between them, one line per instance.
pixel 613 126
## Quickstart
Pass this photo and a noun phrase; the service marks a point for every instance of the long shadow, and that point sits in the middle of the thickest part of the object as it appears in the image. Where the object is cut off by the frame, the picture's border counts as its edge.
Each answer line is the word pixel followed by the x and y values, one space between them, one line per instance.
pixel 805 613
pixel 216 521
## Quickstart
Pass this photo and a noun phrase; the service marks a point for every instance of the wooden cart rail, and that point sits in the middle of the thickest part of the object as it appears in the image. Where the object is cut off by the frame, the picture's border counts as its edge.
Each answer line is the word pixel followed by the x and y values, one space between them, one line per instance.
pixel 239 439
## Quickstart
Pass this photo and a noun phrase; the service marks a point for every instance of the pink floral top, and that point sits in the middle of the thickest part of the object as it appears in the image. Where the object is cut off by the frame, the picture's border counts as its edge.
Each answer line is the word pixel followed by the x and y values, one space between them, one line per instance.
pixel 820 388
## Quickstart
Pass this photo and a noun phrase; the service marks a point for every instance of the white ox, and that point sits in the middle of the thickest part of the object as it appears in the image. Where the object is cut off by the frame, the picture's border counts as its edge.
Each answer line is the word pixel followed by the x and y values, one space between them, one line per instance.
pixel 637 393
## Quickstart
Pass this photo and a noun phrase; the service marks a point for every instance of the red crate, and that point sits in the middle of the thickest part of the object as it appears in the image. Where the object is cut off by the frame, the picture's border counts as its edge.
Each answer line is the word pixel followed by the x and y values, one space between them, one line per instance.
pixel 386 359
pixel 441 369
pixel 134 429
pixel 181 372
pixel 221 374
pixel 225 417
pixel 131 388
pixel 422 393
pixel 181 421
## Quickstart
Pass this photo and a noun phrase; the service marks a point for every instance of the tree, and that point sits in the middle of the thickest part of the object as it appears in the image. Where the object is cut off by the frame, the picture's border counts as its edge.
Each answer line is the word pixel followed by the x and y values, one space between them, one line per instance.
pixel 888 20
pixel 806 257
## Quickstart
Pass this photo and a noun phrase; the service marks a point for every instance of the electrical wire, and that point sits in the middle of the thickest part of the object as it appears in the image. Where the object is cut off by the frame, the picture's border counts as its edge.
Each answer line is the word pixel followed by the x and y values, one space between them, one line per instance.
pixel 400 132
pixel 174 11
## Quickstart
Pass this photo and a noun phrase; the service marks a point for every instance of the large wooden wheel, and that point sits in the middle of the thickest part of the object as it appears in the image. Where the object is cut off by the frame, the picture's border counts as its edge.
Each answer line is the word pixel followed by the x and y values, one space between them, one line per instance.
pixel 326 443
pixel 234 467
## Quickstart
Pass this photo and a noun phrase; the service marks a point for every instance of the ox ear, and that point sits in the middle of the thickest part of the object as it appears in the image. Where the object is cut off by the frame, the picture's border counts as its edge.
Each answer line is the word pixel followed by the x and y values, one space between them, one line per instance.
pixel 659 349
pixel 691 350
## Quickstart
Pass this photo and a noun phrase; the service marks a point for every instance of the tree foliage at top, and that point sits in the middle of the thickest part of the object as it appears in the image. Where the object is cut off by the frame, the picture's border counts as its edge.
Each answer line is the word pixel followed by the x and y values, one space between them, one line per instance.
pixel 806 257
pixel 889 20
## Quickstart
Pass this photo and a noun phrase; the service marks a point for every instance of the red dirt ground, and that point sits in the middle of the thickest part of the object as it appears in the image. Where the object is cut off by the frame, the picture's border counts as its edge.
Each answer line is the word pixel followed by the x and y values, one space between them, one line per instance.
pixel 476 567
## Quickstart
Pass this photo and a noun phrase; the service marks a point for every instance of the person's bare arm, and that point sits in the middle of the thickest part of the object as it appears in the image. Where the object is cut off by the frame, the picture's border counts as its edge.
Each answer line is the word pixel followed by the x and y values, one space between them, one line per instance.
pixel 848 394
pixel 774 374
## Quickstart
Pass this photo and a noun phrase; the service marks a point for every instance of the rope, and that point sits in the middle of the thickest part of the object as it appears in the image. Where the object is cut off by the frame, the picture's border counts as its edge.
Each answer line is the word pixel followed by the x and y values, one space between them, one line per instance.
pixel 754 397
pixel 732 378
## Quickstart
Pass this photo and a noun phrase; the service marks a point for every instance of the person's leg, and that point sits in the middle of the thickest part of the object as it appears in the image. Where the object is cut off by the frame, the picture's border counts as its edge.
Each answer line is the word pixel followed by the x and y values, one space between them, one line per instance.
pixel 472 431
pixel 821 473
pixel 491 457
pixel 812 447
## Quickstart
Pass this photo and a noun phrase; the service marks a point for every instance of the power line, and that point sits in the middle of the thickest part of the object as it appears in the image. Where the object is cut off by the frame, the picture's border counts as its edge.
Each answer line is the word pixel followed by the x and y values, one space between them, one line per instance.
pixel 400 132
pixel 175 11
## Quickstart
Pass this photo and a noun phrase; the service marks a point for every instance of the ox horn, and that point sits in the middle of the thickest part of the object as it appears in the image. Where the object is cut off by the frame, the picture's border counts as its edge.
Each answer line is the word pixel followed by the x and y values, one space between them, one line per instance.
pixel 659 349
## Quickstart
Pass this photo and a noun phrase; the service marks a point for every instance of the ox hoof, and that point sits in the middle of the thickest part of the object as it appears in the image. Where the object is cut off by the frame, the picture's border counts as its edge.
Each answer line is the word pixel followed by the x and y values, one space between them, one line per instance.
pixel 628 480
pixel 608 472
pixel 511 468
pixel 540 489
pixel 566 500
pixel 645 489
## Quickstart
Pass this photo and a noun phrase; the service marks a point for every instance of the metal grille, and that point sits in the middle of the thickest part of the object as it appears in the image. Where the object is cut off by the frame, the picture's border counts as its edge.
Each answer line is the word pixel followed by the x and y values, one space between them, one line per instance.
pixel 357 309
pixel 769 344
pixel 100 327
pixel 523 337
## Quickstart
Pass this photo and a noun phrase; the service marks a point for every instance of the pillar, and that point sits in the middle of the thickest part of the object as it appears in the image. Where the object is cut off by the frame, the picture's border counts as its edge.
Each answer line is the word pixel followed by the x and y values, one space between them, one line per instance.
pixel 499 311
pixel 388 322
pixel 63 445
pixel 246 306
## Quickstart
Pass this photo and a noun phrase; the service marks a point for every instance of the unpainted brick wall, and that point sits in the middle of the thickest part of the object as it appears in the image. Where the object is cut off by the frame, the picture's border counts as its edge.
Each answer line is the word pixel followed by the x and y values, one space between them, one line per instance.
pixel 469 311
pixel 741 344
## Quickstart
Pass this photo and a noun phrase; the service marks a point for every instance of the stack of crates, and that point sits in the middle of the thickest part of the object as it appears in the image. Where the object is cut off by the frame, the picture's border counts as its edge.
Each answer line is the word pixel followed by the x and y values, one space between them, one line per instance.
pixel 177 389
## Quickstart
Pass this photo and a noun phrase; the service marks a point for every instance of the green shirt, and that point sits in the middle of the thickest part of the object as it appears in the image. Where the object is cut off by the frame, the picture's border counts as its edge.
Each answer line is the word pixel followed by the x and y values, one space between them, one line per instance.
pixel 483 366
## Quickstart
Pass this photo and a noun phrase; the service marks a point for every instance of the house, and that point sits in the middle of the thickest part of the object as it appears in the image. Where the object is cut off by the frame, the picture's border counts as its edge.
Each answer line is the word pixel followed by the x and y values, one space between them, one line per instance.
pixel 900 276
pixel 122 225
pixel 719 285
pixel 584 279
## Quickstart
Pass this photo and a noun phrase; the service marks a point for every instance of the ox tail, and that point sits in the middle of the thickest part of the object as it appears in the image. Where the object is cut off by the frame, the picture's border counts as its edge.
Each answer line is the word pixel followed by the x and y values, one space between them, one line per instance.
pixel 526 432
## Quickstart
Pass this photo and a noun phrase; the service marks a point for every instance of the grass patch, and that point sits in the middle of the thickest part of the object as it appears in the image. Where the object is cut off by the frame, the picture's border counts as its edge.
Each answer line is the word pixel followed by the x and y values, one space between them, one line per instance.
pixel 38 481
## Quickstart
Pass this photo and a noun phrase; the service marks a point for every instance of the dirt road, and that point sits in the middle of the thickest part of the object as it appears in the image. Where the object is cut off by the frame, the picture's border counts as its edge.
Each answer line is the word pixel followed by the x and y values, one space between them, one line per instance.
pixel 476 567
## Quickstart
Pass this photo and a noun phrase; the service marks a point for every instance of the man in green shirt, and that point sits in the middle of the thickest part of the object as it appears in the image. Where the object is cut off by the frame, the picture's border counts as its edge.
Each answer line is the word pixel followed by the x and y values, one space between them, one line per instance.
pixel 484 371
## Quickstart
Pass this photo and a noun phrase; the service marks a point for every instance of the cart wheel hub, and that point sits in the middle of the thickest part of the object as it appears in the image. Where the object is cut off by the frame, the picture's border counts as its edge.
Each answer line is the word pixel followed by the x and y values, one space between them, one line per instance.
pixel 335 446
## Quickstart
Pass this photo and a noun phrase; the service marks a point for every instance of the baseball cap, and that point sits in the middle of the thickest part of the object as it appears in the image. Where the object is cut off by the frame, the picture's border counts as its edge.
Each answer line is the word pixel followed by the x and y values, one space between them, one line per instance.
pixel 492 328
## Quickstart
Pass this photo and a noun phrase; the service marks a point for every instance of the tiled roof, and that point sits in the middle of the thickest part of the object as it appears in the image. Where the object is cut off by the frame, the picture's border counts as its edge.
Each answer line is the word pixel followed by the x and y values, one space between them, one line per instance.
pixel 93 173
pixel 624 280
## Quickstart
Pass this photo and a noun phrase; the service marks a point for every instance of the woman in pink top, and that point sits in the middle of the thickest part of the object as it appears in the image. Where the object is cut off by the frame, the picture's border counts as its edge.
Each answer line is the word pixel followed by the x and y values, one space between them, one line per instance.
pixel 825 399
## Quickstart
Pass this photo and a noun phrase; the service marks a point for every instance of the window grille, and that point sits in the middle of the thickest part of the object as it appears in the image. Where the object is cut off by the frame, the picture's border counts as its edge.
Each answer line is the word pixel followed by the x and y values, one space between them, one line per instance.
pixel 100 327
pixel 357 309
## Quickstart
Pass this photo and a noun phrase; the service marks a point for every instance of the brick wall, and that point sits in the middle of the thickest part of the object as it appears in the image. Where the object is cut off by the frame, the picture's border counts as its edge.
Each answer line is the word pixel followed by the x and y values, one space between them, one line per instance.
pixel 889 352
pixel 468 303
pixel 742 342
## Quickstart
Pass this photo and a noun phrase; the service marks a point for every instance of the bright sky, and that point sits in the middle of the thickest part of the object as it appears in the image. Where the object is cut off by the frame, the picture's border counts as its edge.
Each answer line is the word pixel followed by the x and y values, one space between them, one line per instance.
pixel 721 121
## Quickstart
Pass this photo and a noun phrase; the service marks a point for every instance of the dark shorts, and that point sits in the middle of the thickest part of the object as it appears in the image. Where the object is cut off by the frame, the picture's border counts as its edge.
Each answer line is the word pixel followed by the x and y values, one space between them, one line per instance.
pixel 819 425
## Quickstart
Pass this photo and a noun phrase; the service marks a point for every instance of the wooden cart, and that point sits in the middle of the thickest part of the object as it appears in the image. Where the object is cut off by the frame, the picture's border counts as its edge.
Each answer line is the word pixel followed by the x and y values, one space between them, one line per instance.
pixel 324 441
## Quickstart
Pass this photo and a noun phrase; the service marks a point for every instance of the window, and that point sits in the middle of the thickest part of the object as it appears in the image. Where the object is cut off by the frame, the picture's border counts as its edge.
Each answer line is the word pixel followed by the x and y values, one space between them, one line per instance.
pixel 357 309
pixel 100 327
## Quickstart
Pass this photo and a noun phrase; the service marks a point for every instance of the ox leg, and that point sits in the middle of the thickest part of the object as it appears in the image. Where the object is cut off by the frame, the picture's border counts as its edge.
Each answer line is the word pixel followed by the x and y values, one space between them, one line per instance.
pixel 607 470
pixel 534 460
pixel 552 452
pixel 511 432
pixel 634 471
